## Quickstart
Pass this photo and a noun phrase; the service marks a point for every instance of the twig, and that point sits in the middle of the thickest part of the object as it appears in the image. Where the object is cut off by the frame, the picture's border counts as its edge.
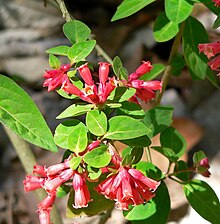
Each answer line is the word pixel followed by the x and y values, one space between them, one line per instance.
pixel 68 18
pixel 104 217
pixel 28 160
pixel 167 73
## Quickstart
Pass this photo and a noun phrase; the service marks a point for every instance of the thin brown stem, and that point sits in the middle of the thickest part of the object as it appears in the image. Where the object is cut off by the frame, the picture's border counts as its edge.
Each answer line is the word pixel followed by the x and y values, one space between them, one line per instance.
pixel 168 71
pixel 68 18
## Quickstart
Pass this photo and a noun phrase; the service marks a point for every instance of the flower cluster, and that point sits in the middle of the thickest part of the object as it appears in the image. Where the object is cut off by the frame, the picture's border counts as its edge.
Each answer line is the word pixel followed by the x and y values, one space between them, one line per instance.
pixel 98 94
pixel 212 50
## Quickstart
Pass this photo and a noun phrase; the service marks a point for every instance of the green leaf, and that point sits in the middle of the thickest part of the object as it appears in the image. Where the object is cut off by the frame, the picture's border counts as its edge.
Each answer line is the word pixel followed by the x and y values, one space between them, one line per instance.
pixel 131 109
pixel 76 31
pixel 81 50
pixel 158 119
pixel 154 72
pixel 96 121
pixel 120 94
pixel 74 162
pixel 63 132
pixel 62 191
pixel 118 69
pixel 96 206
pixel 54 62
pixel 98 157
pixel 75 110
pixel 20 114
pixel 59 50
pixel 198 156
pixel 164 29
pixel 203 200
pixel 212 78
pixel 142 141
pixel 124 127
pixel 178 10
pixel 167 152
pixel 132 155
pixel 177 64
pixel 94 173
pixel 129 7
pixel 179 166
pixel 217 22
pixel 194 33
pixel 149 170
pixel 156 211
pixel 77 140
pixel 172 139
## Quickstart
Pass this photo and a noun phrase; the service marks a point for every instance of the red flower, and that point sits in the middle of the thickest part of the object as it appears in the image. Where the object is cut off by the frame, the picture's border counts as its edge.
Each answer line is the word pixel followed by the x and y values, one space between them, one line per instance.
pixel 203 167
pixel 217 2
pixel 32 183
pixel 128 186
pixel 44 216
pixel 82 195
pixel 56 78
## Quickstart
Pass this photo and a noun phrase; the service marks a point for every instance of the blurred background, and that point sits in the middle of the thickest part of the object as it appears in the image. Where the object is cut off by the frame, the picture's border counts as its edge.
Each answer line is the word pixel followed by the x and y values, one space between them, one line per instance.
pixel 28 28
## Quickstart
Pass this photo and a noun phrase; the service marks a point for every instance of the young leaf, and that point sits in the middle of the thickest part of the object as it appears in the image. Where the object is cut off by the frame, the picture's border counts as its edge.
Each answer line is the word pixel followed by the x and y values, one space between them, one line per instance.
pixel 203 200
pixel 77 140
pixel 98 157
pixel 198 156
pixel 96 121
pixel 129 7
pixel 164 29
pixel 124 127
pixel 194 33
pixel 94 173
pixel 59 50
pixel 54 62
pixel 74 162
pixel 121 94
pixel 20 114
pixel 118 69
pixel 180 166
pixel 158 119
pixel 76 31
pixel 155 211
pixel 178 10
pixel 154 72
pixel 63 132
pixel 167 152
pixel 62 191
pixel 172 139
pixel 81 50
pixel 75 110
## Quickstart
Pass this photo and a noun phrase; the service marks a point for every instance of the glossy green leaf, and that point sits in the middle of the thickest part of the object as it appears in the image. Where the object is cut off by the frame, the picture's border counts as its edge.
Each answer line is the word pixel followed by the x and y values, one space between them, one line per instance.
pixel 164 29
pixel 74 162
pixel 131 109
pixel 142 141
pixel 21 115
pixel 59 50
pixel 77 140
pixel 178 10
pixel 81 50
pixel 124 127
pixel 63 132
pixel 94 173
pixel 181 166
pixel 62 191
pixel 54 62
pixel 96 121
pixel 129 7
pixel 118 69
pixel 75 110
pixel 167 152
pixel 76 31
pixel 98 157
pixel 156 211
pixel 149 170
pixel 154 72
pixel 97 205
pixel 194 33
pixel 121 94
pixel 158 119
pixel 177 64
pixel 203 200
pixel 216 23
pixel 172 139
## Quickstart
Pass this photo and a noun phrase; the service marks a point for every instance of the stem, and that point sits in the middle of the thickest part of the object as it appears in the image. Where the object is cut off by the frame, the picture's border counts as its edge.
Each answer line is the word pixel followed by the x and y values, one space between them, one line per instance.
pixel 68 18
pixel 167 73
pixel 180 171
pixel 148 154
pixel 28 160
pixel 178 181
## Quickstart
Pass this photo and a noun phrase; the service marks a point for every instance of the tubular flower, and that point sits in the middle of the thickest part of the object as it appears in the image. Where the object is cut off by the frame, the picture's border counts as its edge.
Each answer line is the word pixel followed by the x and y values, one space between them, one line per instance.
pixel 217 2
pixel 55 78
pixel 128 187
pixel 212 50
pixel 144 89
pixel 92 93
